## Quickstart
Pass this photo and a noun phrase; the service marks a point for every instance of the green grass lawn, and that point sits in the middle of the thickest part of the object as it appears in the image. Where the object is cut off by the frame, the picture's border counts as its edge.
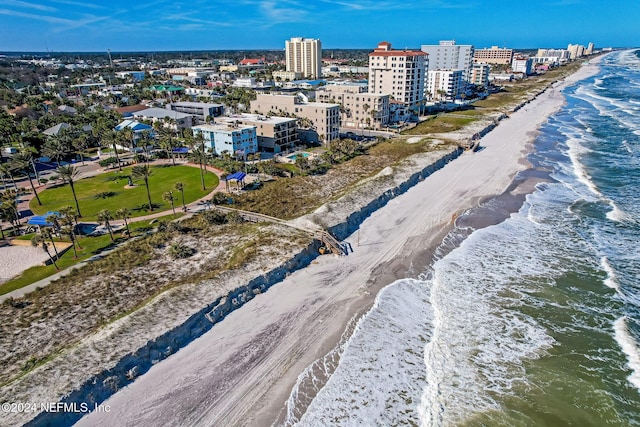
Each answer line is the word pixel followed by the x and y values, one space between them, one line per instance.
pixel 442 123
pixel 111 186
pixel 91 245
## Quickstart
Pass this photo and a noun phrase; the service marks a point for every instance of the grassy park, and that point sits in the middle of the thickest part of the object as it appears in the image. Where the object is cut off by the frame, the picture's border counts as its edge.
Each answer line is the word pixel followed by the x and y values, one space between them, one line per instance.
pixel 107 191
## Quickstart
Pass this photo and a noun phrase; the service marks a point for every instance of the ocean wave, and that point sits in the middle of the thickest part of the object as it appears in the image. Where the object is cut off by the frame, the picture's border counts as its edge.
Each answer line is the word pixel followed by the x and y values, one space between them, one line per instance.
pixel 611 279
pixel 630 348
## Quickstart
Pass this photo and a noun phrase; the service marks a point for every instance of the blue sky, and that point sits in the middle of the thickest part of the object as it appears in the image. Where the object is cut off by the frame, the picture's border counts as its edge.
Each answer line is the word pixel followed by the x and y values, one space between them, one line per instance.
pixel 75 25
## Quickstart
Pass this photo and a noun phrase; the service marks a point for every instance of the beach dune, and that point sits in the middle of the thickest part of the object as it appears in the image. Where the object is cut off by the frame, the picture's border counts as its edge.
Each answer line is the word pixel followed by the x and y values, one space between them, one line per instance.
pixel 242 371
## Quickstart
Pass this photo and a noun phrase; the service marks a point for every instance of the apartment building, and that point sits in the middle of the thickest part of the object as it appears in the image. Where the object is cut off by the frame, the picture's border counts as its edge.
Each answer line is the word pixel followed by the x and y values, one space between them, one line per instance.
pixel 322 120
pixel 444 85
pixel 201 111
pixel 228 138
pixel 522 65
pixel 494 55
pixel 575 51
pixel 286 75
pixel 304 56
pixel 447 55
pixel 399 73
pixel 358 107
pixel 173 119
pixel 275 134
pixel 480 75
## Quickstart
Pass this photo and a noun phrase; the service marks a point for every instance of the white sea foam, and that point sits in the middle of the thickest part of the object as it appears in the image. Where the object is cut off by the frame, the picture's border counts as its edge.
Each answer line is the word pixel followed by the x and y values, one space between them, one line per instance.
pixel 630 348
pixel 381 373
pixel 611 280
pixel 575 151
pixel 616 214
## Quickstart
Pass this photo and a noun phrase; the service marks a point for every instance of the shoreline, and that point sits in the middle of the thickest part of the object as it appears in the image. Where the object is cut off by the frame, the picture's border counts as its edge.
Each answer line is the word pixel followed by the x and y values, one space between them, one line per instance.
pixel 260 349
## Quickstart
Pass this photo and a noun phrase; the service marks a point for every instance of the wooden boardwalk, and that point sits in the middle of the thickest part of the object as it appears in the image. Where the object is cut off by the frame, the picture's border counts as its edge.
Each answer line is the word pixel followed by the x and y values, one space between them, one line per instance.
pixel 330 242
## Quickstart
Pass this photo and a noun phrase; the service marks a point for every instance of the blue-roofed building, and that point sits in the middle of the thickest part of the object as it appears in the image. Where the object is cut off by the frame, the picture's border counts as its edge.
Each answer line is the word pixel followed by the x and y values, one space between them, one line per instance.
pixel 139 129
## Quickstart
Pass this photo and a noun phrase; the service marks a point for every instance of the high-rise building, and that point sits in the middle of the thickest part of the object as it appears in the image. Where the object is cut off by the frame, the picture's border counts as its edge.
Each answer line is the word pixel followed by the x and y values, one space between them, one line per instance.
pixel 450 56
pixel 444 85
pixel 304 56
pixel 399 73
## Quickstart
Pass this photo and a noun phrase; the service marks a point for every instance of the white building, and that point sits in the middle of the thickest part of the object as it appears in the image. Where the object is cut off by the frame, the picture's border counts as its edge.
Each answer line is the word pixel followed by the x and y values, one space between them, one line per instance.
pixel 522 65
pixel 275 134
pixel 172 119
pixel 304 56
pixel 230 138
pixel 201 111
pixel 444 85
pixel 575 51
pixel 447 55
pixel 399 73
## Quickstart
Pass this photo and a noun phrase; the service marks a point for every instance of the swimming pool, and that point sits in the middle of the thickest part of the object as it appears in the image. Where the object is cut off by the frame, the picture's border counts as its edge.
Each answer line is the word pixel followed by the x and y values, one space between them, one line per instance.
pixel 295 156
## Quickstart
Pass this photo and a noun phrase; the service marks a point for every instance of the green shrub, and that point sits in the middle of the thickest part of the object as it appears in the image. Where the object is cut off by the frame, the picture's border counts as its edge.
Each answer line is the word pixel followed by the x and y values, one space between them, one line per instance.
pixel 180 251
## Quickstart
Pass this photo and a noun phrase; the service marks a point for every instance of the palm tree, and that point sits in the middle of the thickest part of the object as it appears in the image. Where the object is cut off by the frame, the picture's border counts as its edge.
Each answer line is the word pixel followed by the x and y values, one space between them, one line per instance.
pixel 81 143
pixel 23 161
pixel 40 240
pixel 68 221
pixel 110 137
pixel 49 232
pixel 143 172
pixel 69 173
pixel 195 141
pixel 168 197
pixel 56 148
pixel 180 187
pixel 9 205
pixel 105 218
pixel 7 171
pixel 124 213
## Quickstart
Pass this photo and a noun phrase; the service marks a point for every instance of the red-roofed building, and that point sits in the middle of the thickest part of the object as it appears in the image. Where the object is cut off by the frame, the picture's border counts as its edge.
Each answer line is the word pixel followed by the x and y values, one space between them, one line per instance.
pixel 399 73
pixel 252 61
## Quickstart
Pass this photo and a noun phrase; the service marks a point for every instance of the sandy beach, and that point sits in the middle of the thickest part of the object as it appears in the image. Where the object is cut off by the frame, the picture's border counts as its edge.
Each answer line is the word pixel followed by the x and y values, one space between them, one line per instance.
pixel 242 371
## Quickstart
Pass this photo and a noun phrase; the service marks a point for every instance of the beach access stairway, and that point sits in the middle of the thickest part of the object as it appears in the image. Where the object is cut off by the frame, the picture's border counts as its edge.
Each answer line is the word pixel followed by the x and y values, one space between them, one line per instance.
pixel 330 242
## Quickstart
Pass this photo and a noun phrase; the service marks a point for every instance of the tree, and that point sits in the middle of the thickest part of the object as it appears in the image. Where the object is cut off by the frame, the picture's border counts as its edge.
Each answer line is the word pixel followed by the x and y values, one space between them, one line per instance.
pixel 143 172
pixel 9 208
pixel 49 232
pixel 40 240
pixel 24 161
pixel 67 221
pixel 68 173
pixel 168 197
pixel 180 187
pixel 56 148
pixel 104 218
pixel 124 214
pixel 168 142
pixel 81 143
pixel 195 141
pixel 7 172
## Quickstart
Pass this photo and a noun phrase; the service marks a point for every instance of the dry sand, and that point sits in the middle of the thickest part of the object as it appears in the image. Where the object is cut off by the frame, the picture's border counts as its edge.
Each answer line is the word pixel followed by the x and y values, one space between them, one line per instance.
pixel 15 259
pixel 242 371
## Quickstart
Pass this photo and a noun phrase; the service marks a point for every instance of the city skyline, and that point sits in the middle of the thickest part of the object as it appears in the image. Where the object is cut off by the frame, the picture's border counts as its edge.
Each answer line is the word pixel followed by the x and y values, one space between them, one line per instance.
pixel 164 25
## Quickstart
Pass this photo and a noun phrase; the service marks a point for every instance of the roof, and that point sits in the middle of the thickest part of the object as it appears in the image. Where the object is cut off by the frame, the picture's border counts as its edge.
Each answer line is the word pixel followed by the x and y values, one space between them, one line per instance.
pixel 55 130
pixel 238 176
pixel 160 113
pixel 67 109
pixel 397 53
pixel 163 88
pixel 131 108
pixel 136 126
pixel 195 104
pixel 252 61
pixel 42 219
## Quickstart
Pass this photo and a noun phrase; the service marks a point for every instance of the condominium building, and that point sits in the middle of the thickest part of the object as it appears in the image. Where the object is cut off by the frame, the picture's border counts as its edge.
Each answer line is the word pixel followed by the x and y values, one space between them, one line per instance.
pixel 358 107
pixel 589 49
pixel 480 75
pixel 522 65
pixel 172 119
pixel 304 56
pixel 275 134
pixel 399 73
pixel 447 55
pixel 444 85
pixel 575 51
pixel 228 138
pixel 495 55
pixel 321 120
pixel 562 55
pixel 201 111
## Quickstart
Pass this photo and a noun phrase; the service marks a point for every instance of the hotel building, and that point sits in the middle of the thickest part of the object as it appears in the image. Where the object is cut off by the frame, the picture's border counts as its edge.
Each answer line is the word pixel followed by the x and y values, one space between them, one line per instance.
pixel 447 55
pixel 304 56
pixel 495 55
pixel 359 108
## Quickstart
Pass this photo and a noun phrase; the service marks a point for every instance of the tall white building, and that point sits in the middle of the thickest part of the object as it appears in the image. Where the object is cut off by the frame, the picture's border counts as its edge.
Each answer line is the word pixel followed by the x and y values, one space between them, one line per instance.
pixel 304 56
pixel 447 55
pixel 399 73
pixel 444 85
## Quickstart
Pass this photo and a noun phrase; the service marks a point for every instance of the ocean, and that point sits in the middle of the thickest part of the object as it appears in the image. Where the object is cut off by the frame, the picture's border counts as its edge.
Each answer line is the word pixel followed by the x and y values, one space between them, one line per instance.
pixel 534 321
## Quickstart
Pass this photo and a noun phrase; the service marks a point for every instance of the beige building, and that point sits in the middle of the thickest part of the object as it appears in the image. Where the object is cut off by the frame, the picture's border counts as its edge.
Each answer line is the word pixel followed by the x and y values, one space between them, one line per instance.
pixel 495 55
pixel 359 108
pixel 575 51
pixel 275 134
pixel 286 75
pixel 480 75
pixel 323 120
pixel 304 56
pixel 399 73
